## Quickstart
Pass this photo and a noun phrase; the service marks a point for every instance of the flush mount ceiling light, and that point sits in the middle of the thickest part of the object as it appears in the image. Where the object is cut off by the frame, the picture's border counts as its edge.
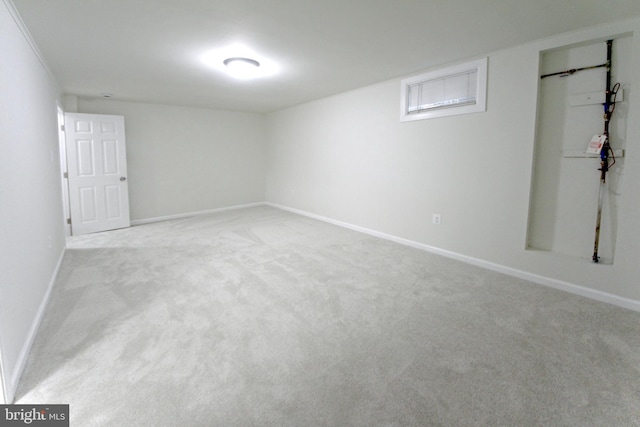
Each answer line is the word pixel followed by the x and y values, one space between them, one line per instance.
pixel 242 68
pixel 240 62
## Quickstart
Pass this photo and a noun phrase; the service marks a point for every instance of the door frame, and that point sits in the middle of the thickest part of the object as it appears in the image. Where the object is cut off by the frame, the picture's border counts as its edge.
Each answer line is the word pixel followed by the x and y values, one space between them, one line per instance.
pixel 64 177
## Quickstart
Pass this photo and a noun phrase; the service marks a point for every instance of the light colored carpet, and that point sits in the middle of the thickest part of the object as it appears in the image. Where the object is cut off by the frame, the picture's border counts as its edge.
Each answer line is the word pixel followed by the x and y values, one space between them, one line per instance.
pixel 261 317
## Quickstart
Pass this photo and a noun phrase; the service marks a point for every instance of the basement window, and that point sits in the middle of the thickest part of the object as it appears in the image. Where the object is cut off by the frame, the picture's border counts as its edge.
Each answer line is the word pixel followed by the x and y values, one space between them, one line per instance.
pixel 459 89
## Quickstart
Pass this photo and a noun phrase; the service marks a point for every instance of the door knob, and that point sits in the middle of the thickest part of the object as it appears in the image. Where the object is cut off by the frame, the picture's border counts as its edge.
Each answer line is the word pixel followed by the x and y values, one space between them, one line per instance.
pixel 123 178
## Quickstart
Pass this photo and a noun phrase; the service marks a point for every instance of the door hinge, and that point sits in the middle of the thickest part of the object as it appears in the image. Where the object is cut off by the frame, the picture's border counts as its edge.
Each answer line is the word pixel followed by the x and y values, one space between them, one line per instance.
pixel 62 128
pixel 66 175
pixel 69 221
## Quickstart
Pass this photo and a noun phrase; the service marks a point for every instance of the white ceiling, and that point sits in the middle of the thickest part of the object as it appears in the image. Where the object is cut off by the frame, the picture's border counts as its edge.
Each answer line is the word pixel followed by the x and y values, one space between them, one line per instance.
pixel 150 50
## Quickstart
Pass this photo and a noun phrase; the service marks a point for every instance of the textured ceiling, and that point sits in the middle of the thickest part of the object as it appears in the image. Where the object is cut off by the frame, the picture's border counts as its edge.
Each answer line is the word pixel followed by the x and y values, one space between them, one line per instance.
pixel 150 50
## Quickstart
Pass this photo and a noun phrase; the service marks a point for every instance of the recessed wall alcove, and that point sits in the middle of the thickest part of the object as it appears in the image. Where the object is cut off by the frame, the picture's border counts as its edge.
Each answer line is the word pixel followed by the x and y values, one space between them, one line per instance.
pixel 565 183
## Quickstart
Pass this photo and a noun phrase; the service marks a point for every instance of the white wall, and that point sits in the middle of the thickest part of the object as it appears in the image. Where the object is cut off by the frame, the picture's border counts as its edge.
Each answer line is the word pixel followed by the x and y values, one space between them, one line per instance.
pixel 349 159
pixel 183 160
pixel 32 239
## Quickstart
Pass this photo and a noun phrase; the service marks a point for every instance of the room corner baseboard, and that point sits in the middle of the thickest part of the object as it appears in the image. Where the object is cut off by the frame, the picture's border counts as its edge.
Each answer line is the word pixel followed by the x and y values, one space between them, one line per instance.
pixel 535 278
pixel 192 214
pixel 35 325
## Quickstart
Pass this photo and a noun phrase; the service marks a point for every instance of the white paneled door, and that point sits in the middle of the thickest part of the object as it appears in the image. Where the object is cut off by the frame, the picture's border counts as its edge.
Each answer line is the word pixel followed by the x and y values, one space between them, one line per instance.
pixel 97 168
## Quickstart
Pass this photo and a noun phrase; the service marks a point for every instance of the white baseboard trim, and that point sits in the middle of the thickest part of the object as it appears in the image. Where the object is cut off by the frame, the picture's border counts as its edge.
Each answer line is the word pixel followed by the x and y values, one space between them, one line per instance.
pixel 192 214
pixel 535 278
pixel 35 325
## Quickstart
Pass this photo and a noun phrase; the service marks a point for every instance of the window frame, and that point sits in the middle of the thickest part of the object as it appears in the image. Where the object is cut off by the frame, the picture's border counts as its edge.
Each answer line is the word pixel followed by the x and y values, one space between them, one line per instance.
pixel 479 66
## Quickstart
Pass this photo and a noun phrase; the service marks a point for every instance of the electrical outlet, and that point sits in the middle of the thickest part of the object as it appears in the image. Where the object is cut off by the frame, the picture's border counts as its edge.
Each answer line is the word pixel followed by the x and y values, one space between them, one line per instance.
pixel 437 219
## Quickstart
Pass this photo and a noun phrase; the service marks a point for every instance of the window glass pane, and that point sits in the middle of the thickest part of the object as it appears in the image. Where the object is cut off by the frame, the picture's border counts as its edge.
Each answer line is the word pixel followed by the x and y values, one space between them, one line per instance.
pixel 413 97
pixel 433 92
pixel 444 92
pixel 459 89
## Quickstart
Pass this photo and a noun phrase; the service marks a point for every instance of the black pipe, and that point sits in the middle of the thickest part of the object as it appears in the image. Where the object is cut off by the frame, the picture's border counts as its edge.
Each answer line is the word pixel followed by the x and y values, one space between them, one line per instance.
pixel 573 70
pixel 604 153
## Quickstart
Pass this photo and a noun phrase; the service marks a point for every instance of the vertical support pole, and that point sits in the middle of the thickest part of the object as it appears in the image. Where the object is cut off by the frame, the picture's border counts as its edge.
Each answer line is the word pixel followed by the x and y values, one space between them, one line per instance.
pixel 604 153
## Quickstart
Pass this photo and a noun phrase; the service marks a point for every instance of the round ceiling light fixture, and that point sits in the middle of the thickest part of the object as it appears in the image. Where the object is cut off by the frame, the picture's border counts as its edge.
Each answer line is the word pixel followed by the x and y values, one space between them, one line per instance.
pixel 240 62
pixel 230 62
pixel 242 68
